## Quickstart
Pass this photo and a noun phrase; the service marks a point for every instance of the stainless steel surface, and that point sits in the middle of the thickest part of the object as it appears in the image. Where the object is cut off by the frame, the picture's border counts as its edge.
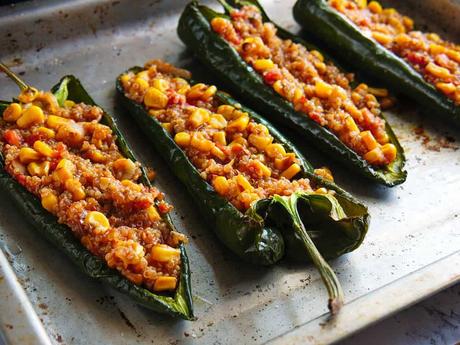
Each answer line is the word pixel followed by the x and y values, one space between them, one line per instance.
pixel 412 249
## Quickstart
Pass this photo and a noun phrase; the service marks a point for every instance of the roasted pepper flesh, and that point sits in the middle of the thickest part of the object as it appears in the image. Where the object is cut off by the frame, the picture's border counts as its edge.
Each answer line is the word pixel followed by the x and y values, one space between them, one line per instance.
pixel 436 59
pixel 314 86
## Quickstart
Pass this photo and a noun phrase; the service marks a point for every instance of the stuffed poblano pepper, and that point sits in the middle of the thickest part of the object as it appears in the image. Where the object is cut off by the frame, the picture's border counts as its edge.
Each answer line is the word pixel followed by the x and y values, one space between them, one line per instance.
pixel 293 83
pixel 260 196
pixel 385 44
pixel 69 170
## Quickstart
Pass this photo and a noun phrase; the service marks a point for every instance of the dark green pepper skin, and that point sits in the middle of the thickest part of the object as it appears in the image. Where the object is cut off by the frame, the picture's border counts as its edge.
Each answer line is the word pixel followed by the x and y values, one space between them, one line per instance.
pixel 339 34
pixel 257 236
pixel 178 304
pixel 195 31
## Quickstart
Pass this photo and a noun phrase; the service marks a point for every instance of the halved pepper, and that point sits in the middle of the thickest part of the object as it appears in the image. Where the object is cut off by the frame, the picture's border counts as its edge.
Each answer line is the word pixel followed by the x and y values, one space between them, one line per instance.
pixel 338 33
pixel 302 226
pixel 177 303
pixel 196 32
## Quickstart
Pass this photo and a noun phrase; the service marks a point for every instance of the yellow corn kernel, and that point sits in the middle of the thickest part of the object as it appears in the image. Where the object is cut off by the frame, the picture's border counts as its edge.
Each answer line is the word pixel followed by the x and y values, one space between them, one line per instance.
pixel 437 48
pixel 68 103
pixel 298 94
pixel 43 148
pixel 164 253
pixel 290 172
pixel 182 139
pixel 369 140
pixel 322 89
pixel 321 190
pixel 378 92
pixel 156 113
pixel 389 11
pixel 361 3
pixel 55 122
pixel 438 71
pixel 75 188
pixel 209 93
pixel 317 54
pixel 239 124
pixel 165 283
pixel 446 87
pixel 160 84
pixel 374 156
pixel 433 37
pixel 374 7
pixel 260 141
pixel 382 38
pixel 263 64
pixel 183 89
pixel 142 83
pixel 64 170
pixel 239 140
pixel 217 152
pixel 154 98
pixel 46 132
pixel 152 213
pixel 12 112
pixel 278 87
pixel 31 116
pixel 96 156
pixel 168 126
pixel 196 91
pixel 325 173
pixel 124 169
pixel 50 202
pixel 226 110
pixel 38 169
pixel 219 138
pixel 275 150
pixel 221 185
pixel 389 151
pixel 98 221
pixel 125 78
pixel 266 171
pixel 143 75
pixel 200 143
pixel 132 185
pixel 243 183
pixel 351 124
pixel 453 54
pixel 217 121
pixel 27 155
pixel 198 117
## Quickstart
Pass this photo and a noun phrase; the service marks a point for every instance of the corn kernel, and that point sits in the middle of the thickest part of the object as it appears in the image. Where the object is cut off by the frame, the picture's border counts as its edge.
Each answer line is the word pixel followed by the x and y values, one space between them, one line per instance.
pixel 125 78
pixel 219 138
pixel 98 221
pixel 378 92
pixel 453 54
pixel 209 93
pixel 263 64
pixel 196 91
pixel 200 143
pixel 298 95
pixel 31 116
pixel 361 3
pixel 55 122
pixel 96 156
pixel 275 150
pixel 217 152
pixel 27 155
pixel 152 213
pixel 68 103
pixel 198 117
pixel 64 170
pixel 142 83
pixel 382 38
pixel 154 98
pixel 374 156
pixel 221 185
pixel 260 141
pixel 167 126
pixel 321 190
pixel 164 253
pixel 160 84
pixel 239 124
pixel 130 184
pixel 369 140
pixel 264 170
pixel 389 151
pixel 325 173
pixel 43 148
pixel 226 110
pixel 351 124
pixel 46 132
pixel 317 54
pixel 75 188
pixel 12 112
pixel 278 87
pixel 239 140
pixel 374 7
pixel 143 75
pixel 446 87
pixel 156 113
pixel 182 139
pixel 243 183
pixel 217 121
pixel 124 169
pixel 438 71
pixel 38 169
pixel 290 172
pixel 165 283
pixel 50 202
pixel 437 49
pixel 322 89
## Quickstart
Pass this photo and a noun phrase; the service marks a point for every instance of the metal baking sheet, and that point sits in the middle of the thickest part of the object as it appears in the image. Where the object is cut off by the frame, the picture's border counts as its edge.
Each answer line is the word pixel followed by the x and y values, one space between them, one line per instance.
pixel 411 251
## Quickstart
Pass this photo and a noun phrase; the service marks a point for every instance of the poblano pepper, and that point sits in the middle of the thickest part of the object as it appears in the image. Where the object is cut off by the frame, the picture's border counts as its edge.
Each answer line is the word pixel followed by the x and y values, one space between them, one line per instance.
pixel 216 53
pixel 302 226
pixel 330 27
pixel 178 304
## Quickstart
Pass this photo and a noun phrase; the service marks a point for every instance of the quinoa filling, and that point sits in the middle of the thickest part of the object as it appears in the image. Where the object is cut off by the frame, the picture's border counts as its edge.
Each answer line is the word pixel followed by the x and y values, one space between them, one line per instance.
pixel 313 86
pixel 437 60
pixel 70 160
pixel 235 154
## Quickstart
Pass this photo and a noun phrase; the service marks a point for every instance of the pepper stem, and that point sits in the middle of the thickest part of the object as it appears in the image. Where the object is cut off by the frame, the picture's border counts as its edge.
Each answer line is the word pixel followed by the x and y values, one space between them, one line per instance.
pixel 226 6
pixel 22 85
